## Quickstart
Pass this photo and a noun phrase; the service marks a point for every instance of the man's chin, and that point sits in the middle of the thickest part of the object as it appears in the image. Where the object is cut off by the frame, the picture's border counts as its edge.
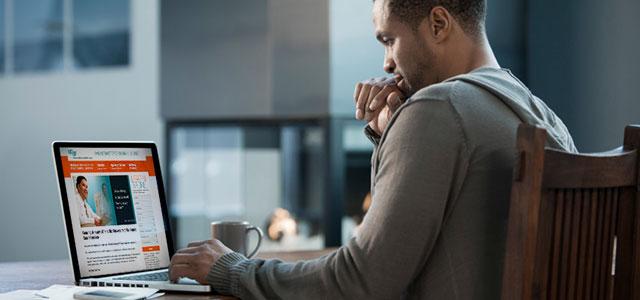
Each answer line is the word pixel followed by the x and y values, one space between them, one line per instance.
pixel 405 88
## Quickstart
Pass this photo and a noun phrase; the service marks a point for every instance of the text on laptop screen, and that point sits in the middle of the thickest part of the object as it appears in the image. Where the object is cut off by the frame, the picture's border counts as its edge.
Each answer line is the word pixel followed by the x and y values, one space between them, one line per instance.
pixel 115 210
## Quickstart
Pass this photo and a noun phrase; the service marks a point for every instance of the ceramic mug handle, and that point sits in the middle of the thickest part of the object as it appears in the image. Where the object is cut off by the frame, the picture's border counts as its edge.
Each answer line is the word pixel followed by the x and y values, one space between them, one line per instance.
pixel 259 231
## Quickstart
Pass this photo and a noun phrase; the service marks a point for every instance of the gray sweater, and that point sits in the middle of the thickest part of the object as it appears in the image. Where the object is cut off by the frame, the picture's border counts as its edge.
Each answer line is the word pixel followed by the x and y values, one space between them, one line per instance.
pixel 441 180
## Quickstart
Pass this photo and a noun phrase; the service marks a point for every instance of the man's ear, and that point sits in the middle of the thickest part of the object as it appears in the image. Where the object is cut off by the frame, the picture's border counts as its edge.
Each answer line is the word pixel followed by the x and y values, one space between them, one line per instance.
pixel 440 23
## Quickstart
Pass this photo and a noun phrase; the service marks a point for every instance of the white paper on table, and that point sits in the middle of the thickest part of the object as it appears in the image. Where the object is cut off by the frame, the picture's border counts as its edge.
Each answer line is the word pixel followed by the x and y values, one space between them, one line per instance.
pixel 65 292
pixel 55 290
pixel 20 295
pixel 156 295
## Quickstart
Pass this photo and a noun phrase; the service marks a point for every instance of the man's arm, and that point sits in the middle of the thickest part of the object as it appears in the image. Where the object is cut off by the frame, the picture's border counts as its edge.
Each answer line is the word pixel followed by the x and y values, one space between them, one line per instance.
pixel 422 161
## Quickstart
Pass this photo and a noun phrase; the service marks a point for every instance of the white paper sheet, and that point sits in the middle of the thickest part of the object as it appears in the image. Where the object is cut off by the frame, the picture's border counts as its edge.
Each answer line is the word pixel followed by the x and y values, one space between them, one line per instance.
pixel 65 292
pixel 20 295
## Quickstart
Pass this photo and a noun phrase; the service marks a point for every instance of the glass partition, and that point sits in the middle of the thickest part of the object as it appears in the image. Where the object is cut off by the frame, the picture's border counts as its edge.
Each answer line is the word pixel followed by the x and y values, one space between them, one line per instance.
pixel 306 184
pixel 271 176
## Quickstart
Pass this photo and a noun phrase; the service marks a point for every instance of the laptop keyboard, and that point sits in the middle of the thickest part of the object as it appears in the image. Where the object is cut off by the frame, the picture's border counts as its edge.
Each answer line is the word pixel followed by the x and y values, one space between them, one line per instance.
pixel 160 276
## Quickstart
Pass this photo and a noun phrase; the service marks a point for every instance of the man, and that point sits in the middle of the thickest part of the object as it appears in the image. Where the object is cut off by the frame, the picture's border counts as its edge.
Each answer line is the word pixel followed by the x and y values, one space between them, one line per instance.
pixel 441 172
pixel 87 216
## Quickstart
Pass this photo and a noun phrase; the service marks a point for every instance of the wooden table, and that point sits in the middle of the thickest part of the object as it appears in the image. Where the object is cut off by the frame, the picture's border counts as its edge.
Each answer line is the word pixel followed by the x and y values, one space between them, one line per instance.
pixel 37 275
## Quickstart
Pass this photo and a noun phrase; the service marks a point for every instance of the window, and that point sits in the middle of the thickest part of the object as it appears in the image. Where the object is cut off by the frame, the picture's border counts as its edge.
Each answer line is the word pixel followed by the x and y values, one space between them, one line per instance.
pixel 57 35
pixel 100 33
pixel 38 30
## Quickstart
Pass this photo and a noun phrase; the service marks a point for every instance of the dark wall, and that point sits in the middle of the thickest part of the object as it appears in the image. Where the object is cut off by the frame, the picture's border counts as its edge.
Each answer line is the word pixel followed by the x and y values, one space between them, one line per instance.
pixel 582 60
pixel 579 57
pixel 214 59
pixel 244 59
pixel 506 28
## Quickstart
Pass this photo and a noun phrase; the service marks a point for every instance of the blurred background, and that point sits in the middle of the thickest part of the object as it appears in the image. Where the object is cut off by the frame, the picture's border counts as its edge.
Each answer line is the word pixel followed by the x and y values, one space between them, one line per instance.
pixel 250 102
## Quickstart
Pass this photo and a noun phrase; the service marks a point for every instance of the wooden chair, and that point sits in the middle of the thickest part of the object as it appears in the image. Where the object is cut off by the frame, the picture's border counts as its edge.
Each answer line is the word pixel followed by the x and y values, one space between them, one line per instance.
pixel 574 222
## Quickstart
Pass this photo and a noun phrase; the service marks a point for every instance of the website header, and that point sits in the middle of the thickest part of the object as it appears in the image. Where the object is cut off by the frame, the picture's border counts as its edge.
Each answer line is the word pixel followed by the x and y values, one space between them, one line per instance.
pixel 74 154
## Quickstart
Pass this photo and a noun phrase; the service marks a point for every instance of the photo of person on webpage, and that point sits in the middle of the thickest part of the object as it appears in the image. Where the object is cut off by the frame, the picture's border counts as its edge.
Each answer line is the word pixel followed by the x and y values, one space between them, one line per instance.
pixel 104 200
pixel 87 216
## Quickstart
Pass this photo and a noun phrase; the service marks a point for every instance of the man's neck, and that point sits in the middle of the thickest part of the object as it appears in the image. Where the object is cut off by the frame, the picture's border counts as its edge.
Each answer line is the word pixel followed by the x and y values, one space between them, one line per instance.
pixel 474 54
pixel 483 56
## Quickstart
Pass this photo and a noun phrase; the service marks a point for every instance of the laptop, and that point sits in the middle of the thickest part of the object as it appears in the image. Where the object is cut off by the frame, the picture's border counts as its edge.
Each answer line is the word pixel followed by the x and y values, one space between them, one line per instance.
pixel 115 214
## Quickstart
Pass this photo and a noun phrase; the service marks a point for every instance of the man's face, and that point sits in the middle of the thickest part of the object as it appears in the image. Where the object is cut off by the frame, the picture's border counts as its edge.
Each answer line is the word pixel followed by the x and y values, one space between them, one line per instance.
pixel 407 52
pixel 83 189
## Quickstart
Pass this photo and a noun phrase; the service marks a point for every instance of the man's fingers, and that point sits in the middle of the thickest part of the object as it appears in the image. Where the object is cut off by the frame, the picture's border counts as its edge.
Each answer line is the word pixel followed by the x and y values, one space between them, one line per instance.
pixel 363 96
pixel 362 101
pixel 356 93
pixel 177 271
pixel 183 258
pixel 390 81
pixel 368 113
pixel 197 243
pixel 380 81
pixel 394 101
pixel 379 100
pixel 372 93
pixel 194 249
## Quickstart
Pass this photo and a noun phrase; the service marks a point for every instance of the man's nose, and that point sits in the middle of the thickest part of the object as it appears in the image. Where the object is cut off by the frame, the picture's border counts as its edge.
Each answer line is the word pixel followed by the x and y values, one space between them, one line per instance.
pixel 389 66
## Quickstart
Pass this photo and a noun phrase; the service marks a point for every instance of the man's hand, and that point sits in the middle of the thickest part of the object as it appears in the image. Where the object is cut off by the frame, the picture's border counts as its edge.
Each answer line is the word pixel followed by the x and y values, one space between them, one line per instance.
pixel 376 101
pixel 196 260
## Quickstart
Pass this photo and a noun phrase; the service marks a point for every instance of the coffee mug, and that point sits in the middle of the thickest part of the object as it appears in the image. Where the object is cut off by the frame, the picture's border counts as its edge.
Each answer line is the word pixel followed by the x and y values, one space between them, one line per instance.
pixel 233 234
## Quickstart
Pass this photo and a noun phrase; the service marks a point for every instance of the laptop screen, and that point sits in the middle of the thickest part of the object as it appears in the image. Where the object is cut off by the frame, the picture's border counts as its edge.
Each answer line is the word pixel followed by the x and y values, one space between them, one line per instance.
pixel 114 208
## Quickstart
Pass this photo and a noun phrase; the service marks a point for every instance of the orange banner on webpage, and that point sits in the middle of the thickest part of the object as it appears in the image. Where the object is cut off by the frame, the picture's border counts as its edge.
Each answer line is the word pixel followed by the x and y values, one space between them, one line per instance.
pixel 107 166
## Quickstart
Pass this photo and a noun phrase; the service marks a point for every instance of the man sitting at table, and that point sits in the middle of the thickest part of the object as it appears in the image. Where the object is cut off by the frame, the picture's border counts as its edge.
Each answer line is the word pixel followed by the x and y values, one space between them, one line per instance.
pixel 441 172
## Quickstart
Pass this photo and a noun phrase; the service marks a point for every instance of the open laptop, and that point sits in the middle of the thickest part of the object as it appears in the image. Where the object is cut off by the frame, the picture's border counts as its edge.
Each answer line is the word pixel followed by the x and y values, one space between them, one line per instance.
pixel 115 214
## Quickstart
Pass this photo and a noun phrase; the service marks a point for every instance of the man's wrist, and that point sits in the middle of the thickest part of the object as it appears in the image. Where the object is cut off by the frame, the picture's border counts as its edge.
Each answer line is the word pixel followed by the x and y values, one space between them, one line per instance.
pixel 372 135
pixel 221 277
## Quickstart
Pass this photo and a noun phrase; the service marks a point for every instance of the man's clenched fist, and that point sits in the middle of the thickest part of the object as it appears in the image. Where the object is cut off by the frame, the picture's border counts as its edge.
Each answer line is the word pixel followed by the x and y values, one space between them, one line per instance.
pixel 376 101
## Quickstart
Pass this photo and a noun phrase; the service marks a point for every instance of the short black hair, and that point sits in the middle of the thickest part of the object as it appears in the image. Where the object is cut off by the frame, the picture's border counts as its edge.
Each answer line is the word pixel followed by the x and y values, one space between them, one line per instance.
pixel 79 179
pixel 471 14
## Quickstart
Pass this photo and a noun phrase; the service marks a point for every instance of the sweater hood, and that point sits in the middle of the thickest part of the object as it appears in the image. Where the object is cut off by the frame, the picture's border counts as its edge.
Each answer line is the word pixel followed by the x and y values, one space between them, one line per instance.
pixel 529 108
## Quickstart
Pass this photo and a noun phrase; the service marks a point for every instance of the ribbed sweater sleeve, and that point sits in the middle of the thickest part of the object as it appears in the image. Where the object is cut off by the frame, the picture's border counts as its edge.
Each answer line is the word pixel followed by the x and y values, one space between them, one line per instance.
pixel 421 161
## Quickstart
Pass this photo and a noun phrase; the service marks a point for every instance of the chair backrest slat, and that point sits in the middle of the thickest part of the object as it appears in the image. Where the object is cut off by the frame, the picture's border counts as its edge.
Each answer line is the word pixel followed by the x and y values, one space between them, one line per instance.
pixel 591 242
pixel 585 210
pixel 550 266
pixel 573 222
pixel 607 245
pixel 565 246
pixel 574 237
pixel 557 242
pixel 595 287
